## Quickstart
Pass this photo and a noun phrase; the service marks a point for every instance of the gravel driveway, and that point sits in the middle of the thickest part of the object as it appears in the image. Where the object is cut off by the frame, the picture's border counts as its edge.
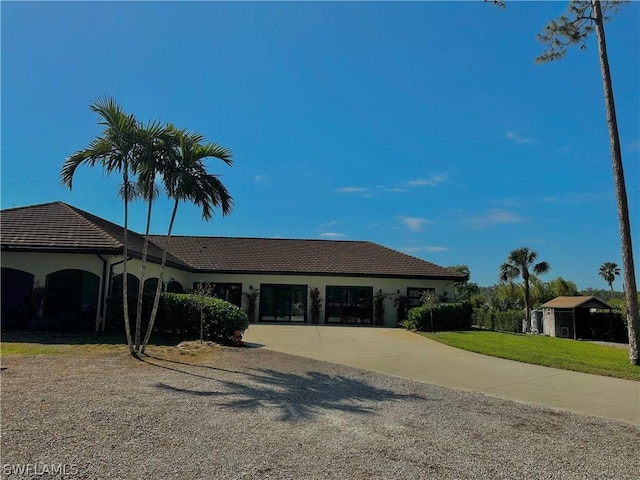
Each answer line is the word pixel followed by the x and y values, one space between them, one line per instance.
pixel 256 414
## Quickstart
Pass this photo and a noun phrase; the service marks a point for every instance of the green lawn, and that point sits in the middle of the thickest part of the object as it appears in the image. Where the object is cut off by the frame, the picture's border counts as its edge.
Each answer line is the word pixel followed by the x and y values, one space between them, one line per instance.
pixel 540 350
pixel 40 343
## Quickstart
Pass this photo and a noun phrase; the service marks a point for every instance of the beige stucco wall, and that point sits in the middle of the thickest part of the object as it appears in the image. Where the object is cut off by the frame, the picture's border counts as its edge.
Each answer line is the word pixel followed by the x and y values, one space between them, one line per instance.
pixel 42 264
pixel 389 286
pixel 152 270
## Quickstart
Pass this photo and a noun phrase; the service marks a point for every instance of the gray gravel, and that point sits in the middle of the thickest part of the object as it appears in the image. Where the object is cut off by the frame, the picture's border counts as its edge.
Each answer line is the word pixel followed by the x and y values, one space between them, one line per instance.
pixel 255 414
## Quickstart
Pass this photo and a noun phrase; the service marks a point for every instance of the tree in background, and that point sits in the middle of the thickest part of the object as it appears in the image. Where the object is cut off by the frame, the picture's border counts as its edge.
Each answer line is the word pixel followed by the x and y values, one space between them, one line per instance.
pixel 116 150
pixel 573 28
pixel 559 287
pixel 609 271
pixel 521 263
pixel 464 290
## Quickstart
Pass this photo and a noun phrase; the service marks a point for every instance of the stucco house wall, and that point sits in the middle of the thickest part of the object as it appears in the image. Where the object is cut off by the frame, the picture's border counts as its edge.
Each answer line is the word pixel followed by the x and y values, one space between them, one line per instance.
pixel 389 286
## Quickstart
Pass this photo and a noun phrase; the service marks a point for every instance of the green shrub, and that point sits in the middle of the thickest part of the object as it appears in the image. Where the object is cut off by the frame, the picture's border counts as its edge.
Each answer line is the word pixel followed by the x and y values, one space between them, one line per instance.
pixel 501 321
pixel 446 316
pixel 179 314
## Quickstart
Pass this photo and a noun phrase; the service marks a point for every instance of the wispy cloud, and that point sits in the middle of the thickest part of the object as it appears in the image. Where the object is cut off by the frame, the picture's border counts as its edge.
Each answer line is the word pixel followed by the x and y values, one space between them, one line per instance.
pixel 516 137
pixel 332 235
pixel 332 223
pixel 507 202
pixel 564 149
pixel 390 189
pixel 262 179
pixel 494 217
pixel 548 199
pixel 414 223
pixel 431 181
pixel 634 146
pixel 426 248
pixel 351 190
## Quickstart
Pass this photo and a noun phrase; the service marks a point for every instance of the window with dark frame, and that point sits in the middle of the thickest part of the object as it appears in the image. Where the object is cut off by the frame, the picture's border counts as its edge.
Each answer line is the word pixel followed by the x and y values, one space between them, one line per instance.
pixel 230 292
pixel 414 294
pixel 283 303
pixel 349 304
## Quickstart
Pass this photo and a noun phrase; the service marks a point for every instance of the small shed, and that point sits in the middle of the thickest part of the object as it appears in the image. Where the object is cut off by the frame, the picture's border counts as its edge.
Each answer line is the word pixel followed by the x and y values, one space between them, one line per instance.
pixel 568 317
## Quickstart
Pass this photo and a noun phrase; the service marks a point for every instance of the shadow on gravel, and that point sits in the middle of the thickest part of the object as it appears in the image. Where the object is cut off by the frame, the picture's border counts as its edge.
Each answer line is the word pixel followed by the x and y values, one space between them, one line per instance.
pixel 297 397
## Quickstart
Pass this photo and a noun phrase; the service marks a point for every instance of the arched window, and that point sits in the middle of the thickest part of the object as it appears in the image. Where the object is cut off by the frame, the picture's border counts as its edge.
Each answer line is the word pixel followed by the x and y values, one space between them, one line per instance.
pixel 150 285
pixel 132 285
pixel 71 300
pixel 17 288
pixel 175 287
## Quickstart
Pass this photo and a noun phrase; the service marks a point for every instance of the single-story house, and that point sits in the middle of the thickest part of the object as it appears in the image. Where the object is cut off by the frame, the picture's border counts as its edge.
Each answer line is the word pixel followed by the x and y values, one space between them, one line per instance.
pixel 569 317
pixel 61 263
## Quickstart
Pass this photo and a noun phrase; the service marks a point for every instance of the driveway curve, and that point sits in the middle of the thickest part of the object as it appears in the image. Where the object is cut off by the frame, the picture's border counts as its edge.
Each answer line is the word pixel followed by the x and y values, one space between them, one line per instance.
pixel 397 352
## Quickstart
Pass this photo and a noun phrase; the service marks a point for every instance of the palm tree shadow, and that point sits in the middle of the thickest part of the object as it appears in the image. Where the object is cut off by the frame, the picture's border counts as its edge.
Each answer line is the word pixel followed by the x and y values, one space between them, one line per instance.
pixel 297 397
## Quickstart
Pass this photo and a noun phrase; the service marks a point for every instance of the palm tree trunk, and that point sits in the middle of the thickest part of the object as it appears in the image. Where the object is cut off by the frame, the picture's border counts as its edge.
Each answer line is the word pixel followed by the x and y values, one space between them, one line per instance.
pixel 143 266
pixel 156 300
pixel 527 309
pixel 633 323
pixel 125 279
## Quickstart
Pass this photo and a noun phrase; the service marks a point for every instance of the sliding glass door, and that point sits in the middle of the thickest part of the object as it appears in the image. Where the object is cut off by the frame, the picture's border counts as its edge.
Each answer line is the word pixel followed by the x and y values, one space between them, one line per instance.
pixel 283 303
pixel 349 305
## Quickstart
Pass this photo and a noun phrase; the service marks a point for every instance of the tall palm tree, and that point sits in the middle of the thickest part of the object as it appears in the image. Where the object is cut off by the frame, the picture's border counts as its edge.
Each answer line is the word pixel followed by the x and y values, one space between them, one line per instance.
pixel 115 150
pixel 185 178
pixel 609 271
pixel 521 263
pixel 149 165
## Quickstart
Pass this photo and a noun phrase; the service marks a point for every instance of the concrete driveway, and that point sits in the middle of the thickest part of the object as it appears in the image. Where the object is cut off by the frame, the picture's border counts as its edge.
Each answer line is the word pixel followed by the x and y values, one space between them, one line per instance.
pixel 397 352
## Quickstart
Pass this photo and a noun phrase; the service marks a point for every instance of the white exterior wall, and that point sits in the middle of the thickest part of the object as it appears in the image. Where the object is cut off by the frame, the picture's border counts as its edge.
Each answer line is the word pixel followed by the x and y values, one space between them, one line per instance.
pixel 389 287
pixel 549 322
pixel 152 270
pixel 42 264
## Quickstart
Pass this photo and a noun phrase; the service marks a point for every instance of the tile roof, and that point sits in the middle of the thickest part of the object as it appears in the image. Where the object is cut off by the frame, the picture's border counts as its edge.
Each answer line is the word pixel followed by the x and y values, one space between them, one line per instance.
pixel 575 302
pixel 59 227
pixel 289 256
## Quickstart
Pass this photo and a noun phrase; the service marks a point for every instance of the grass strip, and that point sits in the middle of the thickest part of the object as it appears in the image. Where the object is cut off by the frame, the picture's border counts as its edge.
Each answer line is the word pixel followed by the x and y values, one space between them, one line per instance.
pixel 560 353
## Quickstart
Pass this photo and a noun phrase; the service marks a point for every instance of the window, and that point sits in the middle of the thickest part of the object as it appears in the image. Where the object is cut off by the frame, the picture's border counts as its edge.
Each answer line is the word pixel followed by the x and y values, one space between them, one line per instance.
pixel 230 292
pixel 71 299
pixel 349 305
pixel 132 285
pixel 283 303
pixel 414 294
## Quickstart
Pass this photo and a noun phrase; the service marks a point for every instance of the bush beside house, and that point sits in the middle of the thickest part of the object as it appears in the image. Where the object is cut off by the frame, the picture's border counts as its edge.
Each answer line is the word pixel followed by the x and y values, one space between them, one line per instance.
pixel 446 316
pixel 498 320
pixel 179 314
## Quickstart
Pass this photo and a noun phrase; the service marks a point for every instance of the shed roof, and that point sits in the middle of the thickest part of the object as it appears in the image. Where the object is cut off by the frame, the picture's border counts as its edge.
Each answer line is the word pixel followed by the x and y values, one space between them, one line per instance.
pixel 577 302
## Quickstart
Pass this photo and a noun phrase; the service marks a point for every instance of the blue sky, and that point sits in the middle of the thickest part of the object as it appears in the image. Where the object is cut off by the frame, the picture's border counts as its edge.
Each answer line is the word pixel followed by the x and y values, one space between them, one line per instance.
pixel 425 127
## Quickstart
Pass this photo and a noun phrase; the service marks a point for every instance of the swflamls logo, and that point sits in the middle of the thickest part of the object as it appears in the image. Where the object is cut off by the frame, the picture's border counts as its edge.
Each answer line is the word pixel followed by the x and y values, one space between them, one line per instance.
pixel 36 469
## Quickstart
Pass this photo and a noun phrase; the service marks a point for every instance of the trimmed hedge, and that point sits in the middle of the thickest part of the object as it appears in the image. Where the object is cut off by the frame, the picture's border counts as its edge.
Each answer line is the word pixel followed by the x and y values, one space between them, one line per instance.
pixel 506 321
pixel 446 316
pixel 179 314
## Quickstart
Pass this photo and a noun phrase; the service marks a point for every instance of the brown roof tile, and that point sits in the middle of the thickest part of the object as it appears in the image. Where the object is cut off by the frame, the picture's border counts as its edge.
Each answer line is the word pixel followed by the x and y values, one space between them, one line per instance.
pixel 324 257
pixel 57 226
